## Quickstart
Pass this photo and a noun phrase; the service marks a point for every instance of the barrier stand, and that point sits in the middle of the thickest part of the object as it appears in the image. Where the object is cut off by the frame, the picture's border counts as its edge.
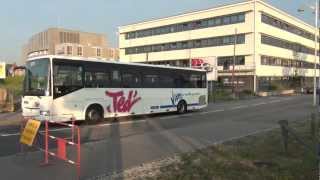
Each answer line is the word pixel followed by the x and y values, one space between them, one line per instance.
pixel 61 143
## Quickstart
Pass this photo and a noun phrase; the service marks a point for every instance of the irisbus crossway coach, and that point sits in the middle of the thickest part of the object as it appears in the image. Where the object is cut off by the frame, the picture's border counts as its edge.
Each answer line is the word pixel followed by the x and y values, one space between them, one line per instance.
pixel 59 87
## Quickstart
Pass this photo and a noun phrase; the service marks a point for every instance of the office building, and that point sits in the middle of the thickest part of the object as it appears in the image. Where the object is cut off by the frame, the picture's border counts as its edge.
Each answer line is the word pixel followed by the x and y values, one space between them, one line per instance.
pixel 57 41
pixel 271 47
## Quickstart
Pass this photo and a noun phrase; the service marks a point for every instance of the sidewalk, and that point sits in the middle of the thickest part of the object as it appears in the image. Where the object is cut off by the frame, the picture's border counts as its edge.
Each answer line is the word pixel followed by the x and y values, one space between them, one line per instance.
pixel 13 118
pixel 28 166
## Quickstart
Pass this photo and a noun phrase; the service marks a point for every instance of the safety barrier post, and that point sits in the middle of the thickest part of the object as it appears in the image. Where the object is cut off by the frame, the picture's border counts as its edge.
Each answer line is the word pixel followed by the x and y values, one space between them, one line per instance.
pixel 46 144
pixel 79 153
pixel 72 129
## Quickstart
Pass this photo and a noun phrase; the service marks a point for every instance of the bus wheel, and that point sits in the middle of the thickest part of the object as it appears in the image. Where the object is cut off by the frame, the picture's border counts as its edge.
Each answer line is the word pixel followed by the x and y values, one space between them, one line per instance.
pixel 182 107
pixel 94 114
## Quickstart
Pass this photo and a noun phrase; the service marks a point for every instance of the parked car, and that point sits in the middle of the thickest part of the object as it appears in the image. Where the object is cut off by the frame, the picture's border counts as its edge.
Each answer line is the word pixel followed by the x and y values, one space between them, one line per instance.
pixel 309 90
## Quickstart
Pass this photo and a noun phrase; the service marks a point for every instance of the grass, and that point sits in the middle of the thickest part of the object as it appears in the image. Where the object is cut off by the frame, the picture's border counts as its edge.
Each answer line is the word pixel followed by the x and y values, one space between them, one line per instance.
pixel 252 158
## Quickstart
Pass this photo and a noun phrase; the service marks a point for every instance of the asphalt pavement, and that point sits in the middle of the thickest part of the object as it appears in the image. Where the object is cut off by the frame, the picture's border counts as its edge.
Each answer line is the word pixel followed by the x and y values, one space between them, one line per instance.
pixel 109 147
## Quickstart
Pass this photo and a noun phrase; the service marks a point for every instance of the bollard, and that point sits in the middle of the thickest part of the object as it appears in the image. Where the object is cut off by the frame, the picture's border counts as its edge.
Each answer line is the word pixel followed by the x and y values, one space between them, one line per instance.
pixel 285 134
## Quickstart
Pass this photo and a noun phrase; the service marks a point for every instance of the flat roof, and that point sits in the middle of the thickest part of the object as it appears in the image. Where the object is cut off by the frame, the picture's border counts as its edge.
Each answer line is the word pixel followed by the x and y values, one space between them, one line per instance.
pixel 103 60
pixel 215 8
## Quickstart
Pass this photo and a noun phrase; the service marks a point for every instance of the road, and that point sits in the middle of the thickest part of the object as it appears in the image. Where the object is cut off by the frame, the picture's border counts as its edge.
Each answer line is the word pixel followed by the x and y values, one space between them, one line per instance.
pixel 109 147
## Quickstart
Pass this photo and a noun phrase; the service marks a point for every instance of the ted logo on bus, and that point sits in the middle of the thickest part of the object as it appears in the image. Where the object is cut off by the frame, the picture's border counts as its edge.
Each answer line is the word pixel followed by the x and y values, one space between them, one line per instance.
pixel 121 103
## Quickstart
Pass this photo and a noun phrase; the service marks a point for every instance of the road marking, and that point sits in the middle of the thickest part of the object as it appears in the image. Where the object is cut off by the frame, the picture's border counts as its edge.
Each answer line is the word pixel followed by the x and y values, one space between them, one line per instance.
pixel 122 123
pixel 274 101
pixel 7 135
pixel 238 107
pixel 258 104
pixel 62 129
pixel 170 117
pixel 17 134
pixel 287 99
pixel 187 115
pixel 208 112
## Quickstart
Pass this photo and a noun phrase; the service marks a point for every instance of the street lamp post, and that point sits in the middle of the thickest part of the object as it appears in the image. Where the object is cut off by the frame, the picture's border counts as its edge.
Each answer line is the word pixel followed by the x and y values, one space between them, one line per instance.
pixel 316 10
pixel 234 60
pixel 315 56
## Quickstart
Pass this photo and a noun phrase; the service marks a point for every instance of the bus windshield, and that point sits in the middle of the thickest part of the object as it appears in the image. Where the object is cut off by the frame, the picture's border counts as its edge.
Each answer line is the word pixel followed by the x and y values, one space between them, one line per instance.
pixel 36 78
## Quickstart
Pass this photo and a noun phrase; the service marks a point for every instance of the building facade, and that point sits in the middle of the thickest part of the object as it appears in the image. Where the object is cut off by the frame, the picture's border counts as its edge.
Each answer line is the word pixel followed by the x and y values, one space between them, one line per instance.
pixel 57 41
pixel 270 46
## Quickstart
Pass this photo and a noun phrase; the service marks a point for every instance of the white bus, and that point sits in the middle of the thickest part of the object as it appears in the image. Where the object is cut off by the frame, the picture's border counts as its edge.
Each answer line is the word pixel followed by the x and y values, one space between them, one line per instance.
pixel 59 88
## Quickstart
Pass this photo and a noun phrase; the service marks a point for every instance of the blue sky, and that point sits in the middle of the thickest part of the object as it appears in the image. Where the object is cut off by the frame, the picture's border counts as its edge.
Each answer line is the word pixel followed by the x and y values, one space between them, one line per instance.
pixel 22 18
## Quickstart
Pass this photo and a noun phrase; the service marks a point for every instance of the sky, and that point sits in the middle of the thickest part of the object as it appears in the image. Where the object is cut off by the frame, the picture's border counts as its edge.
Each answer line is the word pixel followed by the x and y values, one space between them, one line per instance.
pixel 20 19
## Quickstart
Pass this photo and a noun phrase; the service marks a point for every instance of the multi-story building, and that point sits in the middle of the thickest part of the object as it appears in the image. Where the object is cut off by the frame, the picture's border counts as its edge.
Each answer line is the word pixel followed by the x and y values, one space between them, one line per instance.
pixel 57 41
pixel 271 46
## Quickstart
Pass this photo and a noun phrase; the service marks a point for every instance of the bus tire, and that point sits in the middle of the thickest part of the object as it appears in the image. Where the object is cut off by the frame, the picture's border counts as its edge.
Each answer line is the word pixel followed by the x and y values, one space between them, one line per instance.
pixel 94 113
pixel 182 107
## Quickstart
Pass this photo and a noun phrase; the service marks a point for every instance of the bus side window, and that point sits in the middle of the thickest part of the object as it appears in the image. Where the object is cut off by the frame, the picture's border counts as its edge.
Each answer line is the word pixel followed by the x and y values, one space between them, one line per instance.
pixel 182 80
pixel 150 81
pixel 88 79
pixel 131 80
pixel 102 79
pixel 166 81
pixel 195 80
pixel 67 78
pixel 116 79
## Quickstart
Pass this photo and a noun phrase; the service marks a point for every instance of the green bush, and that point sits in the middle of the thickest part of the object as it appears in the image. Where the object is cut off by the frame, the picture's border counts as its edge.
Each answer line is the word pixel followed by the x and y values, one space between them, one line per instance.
pixel 247 92
pixel 277 86
pixel 220 95
pixel 13 84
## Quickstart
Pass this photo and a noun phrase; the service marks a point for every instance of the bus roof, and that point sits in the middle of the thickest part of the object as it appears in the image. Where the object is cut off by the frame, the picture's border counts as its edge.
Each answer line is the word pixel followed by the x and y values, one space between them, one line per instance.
pixel 103 60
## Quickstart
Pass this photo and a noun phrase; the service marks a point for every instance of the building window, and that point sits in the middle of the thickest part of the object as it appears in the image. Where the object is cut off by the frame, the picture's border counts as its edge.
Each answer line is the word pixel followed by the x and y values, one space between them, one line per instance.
pixel 185 26
pixel 268 19
pixel 228 60
pixel 69 37
pixel 226 20
pixel 296 47
pixel 283 62
pixel 98 52
pixel 197 43
pixel 69 50
pixel 80 51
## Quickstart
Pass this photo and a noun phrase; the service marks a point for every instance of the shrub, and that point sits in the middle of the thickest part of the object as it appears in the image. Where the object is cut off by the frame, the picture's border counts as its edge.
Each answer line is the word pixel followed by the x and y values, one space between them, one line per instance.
pixel 13 84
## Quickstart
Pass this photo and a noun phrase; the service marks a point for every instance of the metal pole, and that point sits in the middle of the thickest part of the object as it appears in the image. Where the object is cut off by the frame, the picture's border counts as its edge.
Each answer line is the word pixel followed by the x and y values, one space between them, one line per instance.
pixel 254 49
pixel 46 145
pixel 317 15
pixel 234 58
pixel 79 154
pixel 190 61
pixel 315 57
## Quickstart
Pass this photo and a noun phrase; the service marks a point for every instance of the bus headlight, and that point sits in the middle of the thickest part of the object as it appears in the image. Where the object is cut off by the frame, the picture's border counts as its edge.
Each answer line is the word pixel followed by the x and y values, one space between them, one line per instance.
pixel 44 113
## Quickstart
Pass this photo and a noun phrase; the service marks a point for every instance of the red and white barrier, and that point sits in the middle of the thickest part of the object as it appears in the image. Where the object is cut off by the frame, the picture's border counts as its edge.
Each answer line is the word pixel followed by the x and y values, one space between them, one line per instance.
pixel 61 142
